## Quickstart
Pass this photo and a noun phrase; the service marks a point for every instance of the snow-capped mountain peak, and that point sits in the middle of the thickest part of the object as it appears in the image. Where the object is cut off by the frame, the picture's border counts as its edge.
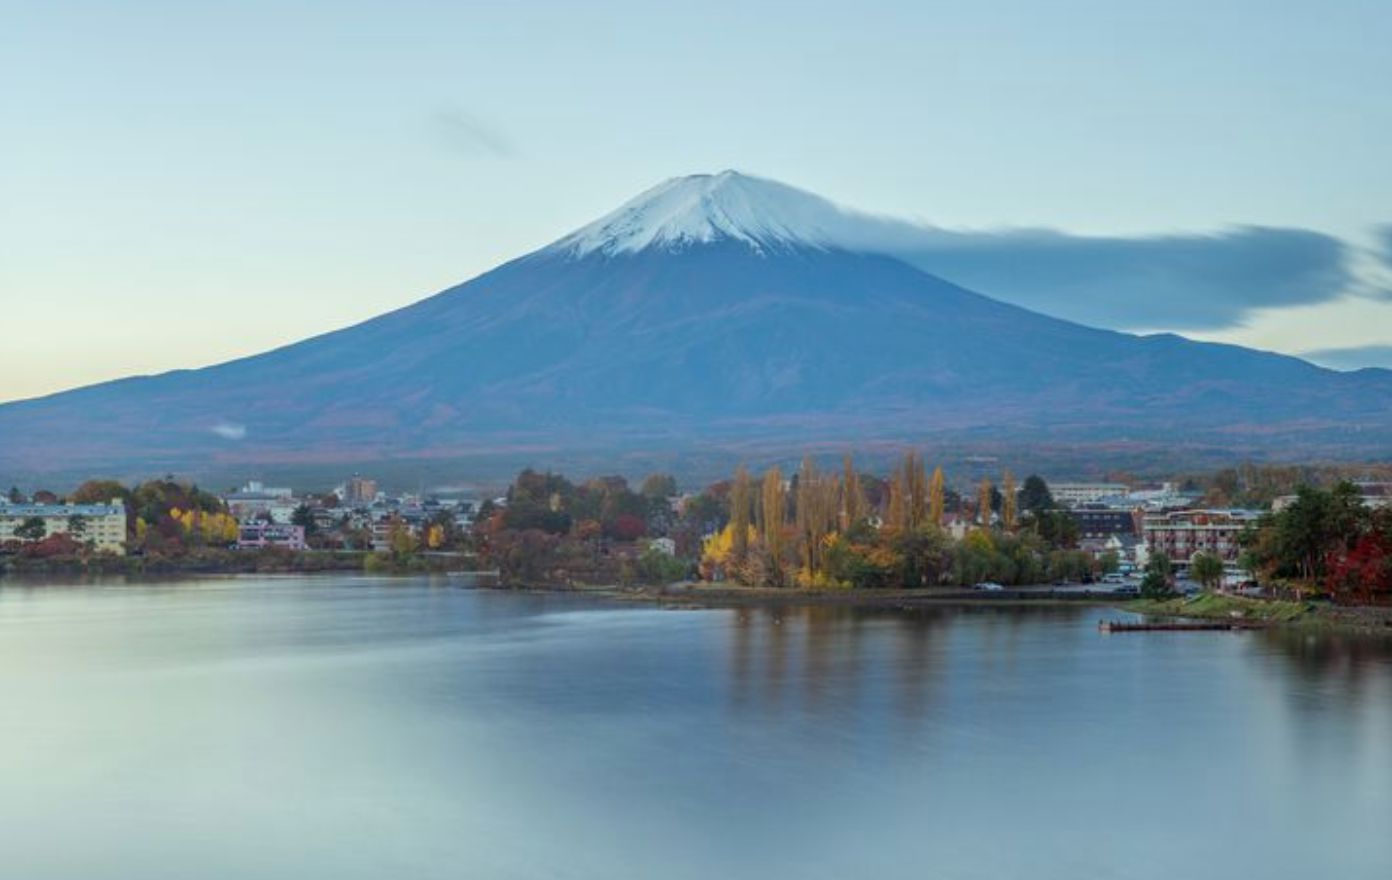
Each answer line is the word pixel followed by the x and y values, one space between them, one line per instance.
pixel 703 208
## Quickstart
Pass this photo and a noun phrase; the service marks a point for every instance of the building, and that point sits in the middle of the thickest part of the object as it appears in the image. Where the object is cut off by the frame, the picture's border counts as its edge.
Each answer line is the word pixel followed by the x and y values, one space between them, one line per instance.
pixel 254 535
pixel 257 501
pixel 360 491
pixel 1075 494
pixel 1097 521
pixel 101 525
pixel 1182 533
pixel 1373 495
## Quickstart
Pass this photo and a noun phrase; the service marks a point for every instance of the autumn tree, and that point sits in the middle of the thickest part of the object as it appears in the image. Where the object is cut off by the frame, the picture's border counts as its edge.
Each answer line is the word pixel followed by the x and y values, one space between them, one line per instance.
pixel 935 498
pixel 1008 501
pixel 852 499
pixel 896 513
pixel 916 479
pixel 741 511
pixel 983 502
pixel 772 513
pixel 816 516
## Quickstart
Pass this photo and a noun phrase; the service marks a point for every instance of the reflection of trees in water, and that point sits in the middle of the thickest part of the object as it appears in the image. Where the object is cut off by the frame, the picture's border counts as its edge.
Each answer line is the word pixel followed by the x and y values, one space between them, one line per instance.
pixel 1352 661
pixel 826 660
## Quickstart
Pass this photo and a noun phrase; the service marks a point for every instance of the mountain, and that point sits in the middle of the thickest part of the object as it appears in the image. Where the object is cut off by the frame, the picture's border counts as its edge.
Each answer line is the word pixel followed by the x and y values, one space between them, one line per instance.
pixel 711 312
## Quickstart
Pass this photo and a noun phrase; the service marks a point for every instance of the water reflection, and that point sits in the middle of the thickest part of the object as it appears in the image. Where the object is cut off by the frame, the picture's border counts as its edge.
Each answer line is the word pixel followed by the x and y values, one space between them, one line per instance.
pixel 369 728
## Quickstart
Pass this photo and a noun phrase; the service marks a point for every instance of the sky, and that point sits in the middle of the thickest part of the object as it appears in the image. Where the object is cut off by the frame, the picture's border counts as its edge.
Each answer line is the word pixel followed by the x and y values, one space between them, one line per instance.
pixel 185 183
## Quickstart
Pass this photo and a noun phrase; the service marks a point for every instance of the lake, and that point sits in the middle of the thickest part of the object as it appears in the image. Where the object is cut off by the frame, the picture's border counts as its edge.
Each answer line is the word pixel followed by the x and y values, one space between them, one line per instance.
pixel 407 728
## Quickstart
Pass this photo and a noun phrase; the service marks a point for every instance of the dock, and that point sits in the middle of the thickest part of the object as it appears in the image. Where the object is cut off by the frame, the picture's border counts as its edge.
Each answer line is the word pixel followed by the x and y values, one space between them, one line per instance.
pixel 1112 626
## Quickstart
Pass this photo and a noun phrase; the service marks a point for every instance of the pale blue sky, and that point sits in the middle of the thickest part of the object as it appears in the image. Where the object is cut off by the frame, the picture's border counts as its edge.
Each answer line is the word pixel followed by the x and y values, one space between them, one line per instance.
pixel 183 182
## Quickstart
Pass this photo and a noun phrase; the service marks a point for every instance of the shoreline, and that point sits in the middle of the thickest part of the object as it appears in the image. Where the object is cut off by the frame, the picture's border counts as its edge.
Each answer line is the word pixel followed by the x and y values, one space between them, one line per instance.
pixel 1376 620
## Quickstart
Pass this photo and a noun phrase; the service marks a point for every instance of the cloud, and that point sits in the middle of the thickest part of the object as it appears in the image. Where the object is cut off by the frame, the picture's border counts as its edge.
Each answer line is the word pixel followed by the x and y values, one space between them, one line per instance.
pixel 463 133
pixel 229 431
pixel 1165 282
pixel 1353 358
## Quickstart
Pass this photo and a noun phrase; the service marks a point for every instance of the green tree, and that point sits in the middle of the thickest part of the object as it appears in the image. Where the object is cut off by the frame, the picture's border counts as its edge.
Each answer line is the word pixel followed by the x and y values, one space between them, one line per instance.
pixel 1157 583
pixel 303 517
pixel 1035 496
pixel 77 526
pixel 1207 569
pixel 32 529
pixel 659 486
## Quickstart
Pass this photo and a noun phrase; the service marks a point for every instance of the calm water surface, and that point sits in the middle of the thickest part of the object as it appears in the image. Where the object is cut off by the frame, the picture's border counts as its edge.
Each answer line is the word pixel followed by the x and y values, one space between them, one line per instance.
pixel 360 728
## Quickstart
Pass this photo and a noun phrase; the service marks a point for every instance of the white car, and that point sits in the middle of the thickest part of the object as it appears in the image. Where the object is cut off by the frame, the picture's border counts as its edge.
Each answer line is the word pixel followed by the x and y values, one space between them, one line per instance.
pixel 988 587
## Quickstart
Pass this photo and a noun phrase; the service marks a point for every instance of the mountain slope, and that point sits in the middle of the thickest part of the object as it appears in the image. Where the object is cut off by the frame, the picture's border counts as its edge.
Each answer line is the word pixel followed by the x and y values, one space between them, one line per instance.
pixel 709 310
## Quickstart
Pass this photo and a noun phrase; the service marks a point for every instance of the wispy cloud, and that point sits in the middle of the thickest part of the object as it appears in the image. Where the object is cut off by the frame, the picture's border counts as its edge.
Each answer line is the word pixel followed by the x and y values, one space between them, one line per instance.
pixel 229 431
pixel 462 132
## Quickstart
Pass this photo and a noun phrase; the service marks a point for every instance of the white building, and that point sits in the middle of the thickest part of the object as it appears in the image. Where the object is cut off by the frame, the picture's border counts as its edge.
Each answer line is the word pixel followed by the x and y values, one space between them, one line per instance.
pixel 1074 494
pixel 1373 495
pixel 102 525
pixel 255 500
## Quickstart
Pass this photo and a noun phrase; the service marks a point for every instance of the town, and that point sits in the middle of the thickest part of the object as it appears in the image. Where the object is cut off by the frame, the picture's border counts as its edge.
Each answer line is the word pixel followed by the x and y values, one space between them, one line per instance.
pixel 810 529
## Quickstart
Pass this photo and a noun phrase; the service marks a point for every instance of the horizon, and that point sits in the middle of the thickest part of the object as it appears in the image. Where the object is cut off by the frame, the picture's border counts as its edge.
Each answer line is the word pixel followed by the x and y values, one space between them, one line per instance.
pixel 1245 177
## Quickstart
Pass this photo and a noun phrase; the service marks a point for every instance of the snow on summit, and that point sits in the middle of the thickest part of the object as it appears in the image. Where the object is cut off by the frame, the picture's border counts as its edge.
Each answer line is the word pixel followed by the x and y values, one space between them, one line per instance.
pixel 704 208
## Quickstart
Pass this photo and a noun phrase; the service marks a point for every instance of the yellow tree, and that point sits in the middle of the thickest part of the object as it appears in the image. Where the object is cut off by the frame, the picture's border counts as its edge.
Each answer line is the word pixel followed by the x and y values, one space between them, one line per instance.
pixel 896 516
pixel 935 498
pixel 1008 501
pixel 817 497
pixel 983 502
pixel 773 512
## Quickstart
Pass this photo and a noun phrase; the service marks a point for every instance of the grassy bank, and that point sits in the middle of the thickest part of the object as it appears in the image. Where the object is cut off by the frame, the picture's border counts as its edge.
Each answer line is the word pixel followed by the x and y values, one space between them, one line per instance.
pixel 1214 606
pixel 1210 606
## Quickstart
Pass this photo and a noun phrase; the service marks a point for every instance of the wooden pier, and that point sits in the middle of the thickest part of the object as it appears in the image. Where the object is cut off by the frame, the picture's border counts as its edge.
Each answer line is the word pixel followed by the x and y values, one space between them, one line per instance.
pixel 1111 626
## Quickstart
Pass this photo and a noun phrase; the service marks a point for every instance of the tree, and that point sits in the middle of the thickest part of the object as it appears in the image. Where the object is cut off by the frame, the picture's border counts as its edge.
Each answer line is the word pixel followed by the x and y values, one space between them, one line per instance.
pixel 1207 569
pixel 772 513
pixel 741 510
pixel 1035 496
pixel 852 500
pixel 303 517
pixel 983 502
pixel 816 516
pixel 935 498
pixel 1109 561
pixel 659 486
pixel 1156 583
pixel 400 538
pixel 1008 501
pixel 32 529
pixel 15 496
pixel 916 479
pixel 77 525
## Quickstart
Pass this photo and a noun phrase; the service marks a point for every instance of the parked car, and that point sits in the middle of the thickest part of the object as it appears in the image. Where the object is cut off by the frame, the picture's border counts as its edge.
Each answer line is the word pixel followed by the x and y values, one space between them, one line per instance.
pixel 988 587
pixel 1126 591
